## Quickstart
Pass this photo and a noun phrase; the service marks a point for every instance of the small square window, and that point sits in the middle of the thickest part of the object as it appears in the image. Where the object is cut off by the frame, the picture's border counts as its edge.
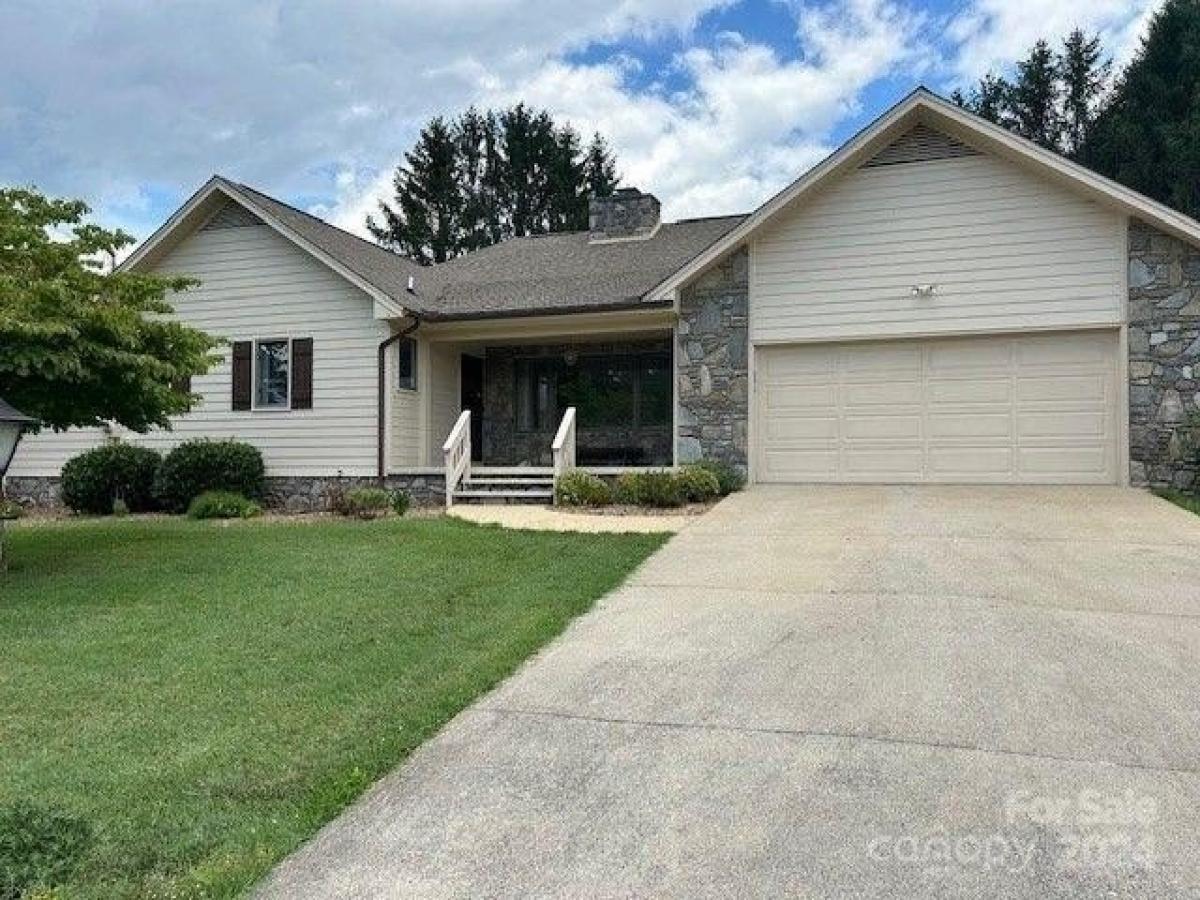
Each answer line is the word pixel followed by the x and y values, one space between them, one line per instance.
pixel 272 364
pixel 406 364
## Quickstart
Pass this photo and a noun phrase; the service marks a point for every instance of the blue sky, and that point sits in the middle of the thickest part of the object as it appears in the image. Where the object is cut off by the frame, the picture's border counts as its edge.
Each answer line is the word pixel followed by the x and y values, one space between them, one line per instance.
pixel 711 104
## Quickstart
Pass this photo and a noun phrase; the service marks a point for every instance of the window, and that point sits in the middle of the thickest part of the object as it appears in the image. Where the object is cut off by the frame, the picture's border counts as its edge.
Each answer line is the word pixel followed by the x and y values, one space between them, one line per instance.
pixel 537 390
pixel 272 361
pixel 629 390
pixel 406 364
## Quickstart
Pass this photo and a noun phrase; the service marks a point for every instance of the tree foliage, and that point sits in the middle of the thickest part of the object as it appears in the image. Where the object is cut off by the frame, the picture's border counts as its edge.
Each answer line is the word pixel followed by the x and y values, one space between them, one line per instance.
pixel 80 343
pixel 1148 136
pixel 488 176
pixel 1054 96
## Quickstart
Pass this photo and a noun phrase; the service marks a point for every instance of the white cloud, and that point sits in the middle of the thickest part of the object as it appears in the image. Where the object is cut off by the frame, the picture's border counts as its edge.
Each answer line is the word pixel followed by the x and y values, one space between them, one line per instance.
pixel 750 122
pixel 991 34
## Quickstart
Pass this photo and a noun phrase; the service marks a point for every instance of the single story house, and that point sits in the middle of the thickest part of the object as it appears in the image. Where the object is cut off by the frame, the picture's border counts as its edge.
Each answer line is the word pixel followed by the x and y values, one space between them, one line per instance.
pixel 937 301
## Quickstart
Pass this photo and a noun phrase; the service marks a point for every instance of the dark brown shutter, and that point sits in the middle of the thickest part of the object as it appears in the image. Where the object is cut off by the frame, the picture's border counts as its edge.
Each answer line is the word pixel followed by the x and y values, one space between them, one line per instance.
pixel 302 376
pixel 242 377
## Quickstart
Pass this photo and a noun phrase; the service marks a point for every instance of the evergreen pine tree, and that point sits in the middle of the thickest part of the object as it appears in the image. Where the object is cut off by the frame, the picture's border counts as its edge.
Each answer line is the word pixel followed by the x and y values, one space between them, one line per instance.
pixel 424 223
pixel 1148 136
pixel 1084 74
pixel 489 176
pixel 1033 98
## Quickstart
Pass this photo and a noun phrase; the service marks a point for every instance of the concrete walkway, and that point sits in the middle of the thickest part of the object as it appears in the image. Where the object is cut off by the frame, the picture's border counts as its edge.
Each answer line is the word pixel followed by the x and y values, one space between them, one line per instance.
pixel 549 518
pixel 830 692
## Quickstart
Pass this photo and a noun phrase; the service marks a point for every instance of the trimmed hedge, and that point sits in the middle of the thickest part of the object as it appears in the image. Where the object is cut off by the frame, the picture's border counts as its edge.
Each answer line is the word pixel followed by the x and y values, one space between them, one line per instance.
pixel 94 479
pixel 222 505
pixel 576 488
pixel 698 484
pixel 728 478
pixel 205 465
pixel 660 489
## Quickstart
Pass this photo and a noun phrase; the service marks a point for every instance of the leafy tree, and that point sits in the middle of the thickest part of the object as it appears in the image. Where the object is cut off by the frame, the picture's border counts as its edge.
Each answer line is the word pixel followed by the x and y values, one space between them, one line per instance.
pixel 1148 136
pixel 488 176
pixel 988 99
pixel 81 343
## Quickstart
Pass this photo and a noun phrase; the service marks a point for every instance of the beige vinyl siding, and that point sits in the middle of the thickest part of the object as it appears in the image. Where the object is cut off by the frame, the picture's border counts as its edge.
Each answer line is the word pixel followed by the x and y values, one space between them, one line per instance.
pixel 1007 250
pixel 444 396
pixel 408 434
pixel 256 284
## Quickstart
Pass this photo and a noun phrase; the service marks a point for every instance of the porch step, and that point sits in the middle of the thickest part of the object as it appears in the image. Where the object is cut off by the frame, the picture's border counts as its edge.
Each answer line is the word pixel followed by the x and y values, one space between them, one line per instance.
pixel 528 495
pixel 500 482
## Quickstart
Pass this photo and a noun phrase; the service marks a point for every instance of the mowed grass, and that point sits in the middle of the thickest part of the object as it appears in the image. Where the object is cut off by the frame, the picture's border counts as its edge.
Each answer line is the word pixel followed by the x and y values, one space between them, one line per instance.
pixel 207 696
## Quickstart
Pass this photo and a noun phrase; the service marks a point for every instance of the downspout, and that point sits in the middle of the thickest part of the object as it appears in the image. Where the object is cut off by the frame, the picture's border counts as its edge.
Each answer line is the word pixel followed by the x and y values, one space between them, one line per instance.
pixel 381 389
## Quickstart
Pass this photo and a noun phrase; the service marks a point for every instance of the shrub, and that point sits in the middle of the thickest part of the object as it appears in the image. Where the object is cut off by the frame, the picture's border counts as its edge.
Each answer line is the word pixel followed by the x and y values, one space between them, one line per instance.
pixel 94 479
pixel 729 478
pixel 10 509
pixel 366 503
pixel 576 488
pixel 698 484
pixel 658 489
pixel 401 501
pixel 39 848
pixel 203 465
pixel 222 505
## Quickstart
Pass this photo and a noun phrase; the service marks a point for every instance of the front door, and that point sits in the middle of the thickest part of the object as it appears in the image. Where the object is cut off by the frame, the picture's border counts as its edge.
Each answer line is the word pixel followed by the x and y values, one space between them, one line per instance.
pixel 471 397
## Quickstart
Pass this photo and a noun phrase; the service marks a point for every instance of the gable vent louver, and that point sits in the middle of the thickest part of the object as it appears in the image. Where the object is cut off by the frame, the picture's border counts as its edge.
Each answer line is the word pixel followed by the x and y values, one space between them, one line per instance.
pixel 232 215
pixel 921 144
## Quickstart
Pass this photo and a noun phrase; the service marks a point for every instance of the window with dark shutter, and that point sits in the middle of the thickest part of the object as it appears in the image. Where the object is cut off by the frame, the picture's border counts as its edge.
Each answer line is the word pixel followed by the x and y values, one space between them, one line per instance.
pixel 243 376
pixel 302 373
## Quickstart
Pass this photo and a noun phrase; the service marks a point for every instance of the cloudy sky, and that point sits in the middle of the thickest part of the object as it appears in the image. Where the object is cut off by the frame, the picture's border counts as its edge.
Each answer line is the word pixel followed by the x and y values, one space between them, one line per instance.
pixel 711 104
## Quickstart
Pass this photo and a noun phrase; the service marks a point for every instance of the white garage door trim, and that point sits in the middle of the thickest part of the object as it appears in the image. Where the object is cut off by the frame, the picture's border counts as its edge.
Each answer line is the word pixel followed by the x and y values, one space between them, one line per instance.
pixel 1038 408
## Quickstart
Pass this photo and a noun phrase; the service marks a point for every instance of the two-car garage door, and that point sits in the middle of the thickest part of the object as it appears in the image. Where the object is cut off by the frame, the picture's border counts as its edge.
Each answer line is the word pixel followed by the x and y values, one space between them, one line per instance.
pixel 1004 409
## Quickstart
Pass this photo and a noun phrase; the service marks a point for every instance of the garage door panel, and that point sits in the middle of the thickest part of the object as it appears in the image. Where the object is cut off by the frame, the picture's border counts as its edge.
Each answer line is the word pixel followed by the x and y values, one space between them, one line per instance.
pixel 968 424
pixel 861 427
pixel 785 397
pixel 801 464
pixel 973 390
pixel 1037 409
pixel 949 462
pixel 878 393
pixel 793 429
pixel 884 462
pixel 1065 388
pixel 1079 464
pixel 1071 426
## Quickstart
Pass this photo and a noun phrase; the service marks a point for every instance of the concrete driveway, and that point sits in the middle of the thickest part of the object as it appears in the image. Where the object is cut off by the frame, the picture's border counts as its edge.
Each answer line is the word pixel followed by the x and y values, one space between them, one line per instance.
pixel 830 691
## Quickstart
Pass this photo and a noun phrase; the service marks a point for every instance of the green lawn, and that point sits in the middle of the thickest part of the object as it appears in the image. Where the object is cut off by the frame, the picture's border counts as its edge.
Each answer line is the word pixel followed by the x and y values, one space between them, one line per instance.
pixel 1190 502
pixel 207 696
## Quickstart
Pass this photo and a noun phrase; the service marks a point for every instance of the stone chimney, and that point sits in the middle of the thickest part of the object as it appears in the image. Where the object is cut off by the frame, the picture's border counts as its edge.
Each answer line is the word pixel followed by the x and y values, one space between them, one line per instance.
pixel 628 213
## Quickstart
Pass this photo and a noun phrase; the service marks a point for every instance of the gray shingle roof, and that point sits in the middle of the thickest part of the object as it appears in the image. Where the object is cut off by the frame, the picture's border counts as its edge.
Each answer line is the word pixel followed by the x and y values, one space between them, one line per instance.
pixel 523 276
pixel 563 272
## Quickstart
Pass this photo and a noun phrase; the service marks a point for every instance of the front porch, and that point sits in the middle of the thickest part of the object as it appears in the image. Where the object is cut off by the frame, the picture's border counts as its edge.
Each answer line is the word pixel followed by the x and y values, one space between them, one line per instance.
pixel 517 380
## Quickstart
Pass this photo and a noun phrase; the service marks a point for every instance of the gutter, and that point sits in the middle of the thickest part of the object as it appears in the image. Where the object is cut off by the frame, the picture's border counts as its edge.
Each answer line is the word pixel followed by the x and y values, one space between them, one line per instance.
pixel 381 391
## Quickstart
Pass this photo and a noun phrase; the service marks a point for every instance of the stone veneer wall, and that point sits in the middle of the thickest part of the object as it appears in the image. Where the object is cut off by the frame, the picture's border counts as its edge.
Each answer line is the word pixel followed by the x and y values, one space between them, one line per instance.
pixel 1164 359
pixel 286 493
pixel 504 445
pixel 713 364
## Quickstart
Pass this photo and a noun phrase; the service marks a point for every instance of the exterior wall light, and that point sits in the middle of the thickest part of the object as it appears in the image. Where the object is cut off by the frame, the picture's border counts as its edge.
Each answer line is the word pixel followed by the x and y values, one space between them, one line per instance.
pixel 924 290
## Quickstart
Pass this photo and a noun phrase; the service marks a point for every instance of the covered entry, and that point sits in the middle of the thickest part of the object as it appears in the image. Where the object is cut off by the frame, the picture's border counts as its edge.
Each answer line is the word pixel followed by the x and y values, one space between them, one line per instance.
pixel 1039 409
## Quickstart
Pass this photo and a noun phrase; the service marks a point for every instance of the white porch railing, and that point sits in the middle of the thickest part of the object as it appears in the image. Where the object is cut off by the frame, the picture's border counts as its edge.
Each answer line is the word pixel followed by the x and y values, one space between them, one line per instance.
pixel 563 447
pixel 457 452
